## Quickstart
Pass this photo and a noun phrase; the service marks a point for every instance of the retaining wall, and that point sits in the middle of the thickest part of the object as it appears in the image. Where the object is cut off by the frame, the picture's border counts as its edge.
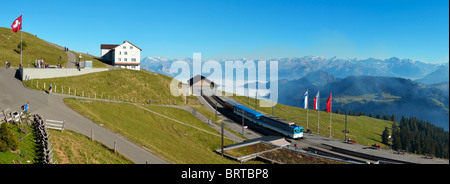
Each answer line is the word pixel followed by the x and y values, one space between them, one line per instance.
pixel 44 73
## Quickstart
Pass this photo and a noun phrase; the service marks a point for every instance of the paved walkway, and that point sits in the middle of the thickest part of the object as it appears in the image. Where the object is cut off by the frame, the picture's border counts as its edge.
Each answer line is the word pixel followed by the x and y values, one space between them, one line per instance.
pixel 13 95
pixel 71 61
pixel 391 154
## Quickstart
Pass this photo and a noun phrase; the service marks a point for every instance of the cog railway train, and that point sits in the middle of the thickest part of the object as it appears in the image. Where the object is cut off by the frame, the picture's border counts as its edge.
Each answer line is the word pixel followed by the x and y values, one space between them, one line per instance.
pixel 274 123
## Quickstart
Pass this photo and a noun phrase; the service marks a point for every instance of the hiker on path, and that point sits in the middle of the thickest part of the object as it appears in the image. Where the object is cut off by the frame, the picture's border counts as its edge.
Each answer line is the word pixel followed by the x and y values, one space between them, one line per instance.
pixel 50 88
pixel 26 107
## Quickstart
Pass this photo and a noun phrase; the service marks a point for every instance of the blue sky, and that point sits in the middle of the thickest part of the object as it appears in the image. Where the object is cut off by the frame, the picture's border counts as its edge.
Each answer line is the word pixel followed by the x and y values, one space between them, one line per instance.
pixel 256 29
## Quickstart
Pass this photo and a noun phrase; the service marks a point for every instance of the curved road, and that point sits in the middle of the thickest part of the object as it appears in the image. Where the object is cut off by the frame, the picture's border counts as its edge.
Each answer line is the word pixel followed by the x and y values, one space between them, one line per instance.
pixel 13 95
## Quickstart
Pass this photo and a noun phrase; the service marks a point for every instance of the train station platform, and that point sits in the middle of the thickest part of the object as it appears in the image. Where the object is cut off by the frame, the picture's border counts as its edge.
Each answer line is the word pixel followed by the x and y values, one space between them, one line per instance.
pixel 367 151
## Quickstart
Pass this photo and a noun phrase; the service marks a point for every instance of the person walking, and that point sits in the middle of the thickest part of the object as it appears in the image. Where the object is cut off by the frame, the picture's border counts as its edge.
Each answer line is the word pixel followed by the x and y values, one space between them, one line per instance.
pixel 26 107
pixel 50 88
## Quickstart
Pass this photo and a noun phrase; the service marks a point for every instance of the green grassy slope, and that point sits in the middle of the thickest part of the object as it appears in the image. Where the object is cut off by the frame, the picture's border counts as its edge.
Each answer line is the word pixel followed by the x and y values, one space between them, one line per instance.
pixel 96 63
pixel 28 148
pixel 121 85
pixel 74 148
pixel 175 142
pixel 36 49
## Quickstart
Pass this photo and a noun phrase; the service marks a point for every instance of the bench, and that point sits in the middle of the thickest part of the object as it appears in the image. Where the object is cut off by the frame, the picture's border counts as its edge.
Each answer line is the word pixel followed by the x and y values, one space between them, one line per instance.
pixel 401 152
pixel 429 156
pixel 54 124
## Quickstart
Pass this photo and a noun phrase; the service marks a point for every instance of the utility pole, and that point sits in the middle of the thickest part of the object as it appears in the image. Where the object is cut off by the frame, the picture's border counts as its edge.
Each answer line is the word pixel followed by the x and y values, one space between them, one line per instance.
pixel 222 138
pixel 256 99
pixel 272 108
pixel 345 131
pixel 242 124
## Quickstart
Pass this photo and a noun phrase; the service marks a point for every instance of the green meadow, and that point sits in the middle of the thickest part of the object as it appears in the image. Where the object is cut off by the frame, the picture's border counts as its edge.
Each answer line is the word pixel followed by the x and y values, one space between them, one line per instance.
pixel 118 85
pixel 172 141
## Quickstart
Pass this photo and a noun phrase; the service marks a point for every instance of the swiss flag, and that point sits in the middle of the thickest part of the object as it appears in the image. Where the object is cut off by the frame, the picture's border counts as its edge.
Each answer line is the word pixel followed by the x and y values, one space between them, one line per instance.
pixel 17 24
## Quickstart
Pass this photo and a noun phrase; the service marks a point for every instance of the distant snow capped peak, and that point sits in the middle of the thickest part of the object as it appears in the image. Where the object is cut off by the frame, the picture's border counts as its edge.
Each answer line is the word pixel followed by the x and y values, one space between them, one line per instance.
pixel 155 59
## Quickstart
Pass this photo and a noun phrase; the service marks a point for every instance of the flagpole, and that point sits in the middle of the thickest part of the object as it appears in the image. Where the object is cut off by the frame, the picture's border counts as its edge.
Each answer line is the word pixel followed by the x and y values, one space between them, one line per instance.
pixel 306 101
pixel 318 109
pixel 21 47
pixel 331 103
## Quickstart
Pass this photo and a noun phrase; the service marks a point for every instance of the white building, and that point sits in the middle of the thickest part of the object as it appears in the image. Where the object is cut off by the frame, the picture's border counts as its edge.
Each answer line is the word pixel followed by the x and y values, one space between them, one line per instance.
pixel 125 55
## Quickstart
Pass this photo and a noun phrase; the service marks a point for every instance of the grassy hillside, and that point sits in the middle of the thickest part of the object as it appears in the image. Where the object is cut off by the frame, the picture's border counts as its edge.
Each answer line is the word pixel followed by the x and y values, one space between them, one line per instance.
pixel 363 129
pixel 121 85
pixel 74 148
pixel 36 49
pixel 173 141
pixel 96 63
pixel 28 148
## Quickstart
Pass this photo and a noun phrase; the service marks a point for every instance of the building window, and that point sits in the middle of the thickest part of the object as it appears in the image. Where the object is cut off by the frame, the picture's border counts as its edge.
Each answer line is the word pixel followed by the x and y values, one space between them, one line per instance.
pixel 125 53
pixel 133 67
pixel 124 47
pixel 131 47
pixel 125 59
pixel 120 53
pixel 133 59
pixel 119 59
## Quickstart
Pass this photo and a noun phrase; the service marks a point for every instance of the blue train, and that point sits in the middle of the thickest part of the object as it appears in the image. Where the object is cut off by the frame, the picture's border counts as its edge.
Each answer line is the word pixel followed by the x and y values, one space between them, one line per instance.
pixel 284 127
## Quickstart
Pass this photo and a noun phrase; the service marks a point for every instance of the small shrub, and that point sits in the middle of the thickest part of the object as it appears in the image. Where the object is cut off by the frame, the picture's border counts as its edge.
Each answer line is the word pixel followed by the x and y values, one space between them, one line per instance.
pixel 7 139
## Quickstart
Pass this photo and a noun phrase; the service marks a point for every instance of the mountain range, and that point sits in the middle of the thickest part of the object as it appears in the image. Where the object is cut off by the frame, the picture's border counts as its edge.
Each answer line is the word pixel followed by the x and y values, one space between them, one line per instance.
pixel 372 94
pixel 296 68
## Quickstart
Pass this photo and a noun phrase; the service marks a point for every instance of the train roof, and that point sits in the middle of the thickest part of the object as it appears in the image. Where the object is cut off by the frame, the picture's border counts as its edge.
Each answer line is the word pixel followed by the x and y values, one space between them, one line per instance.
pixel 246 109
pixel 232 102
pixel 283 121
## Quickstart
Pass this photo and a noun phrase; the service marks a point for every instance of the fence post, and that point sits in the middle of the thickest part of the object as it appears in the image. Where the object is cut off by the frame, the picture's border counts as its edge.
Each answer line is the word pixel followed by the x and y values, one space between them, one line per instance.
pixel 69 90
pixel 115 146
pixel 92 135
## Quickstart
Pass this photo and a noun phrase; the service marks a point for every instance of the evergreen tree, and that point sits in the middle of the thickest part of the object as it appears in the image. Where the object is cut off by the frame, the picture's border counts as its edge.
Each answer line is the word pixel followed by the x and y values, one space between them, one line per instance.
pixel 394 118
pixel 385 136
pixel 415 135
pixel 396 140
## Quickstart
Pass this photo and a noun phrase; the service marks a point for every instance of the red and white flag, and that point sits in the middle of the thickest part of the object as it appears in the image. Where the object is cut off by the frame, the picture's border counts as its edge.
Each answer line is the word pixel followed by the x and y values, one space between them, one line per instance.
pixel 17 24
pixel 316 102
